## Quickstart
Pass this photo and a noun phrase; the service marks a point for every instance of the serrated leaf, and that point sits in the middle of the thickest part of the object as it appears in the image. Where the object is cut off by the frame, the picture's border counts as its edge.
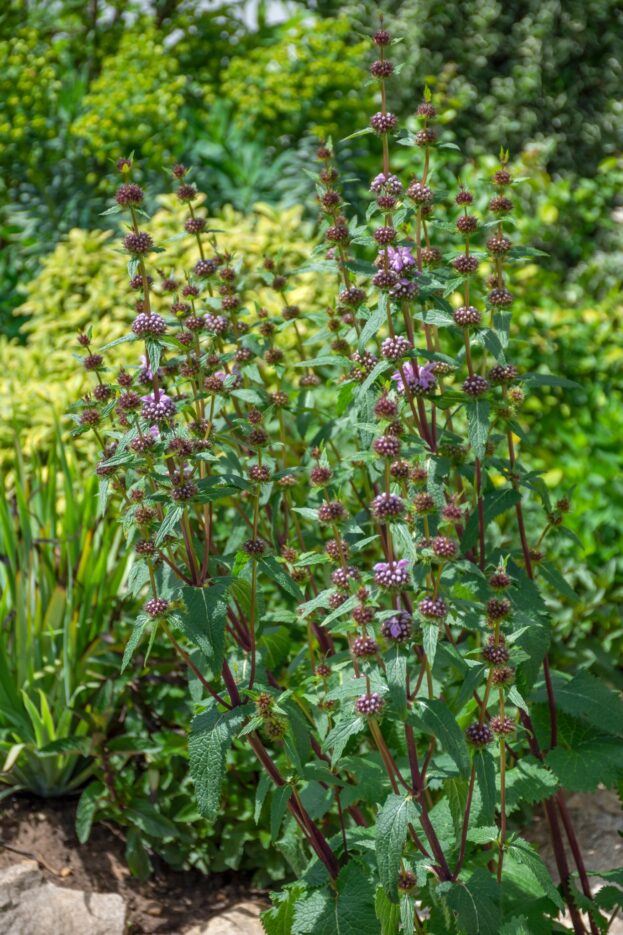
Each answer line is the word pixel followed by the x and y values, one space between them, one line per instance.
pixel 478 411
pixel 169 523
pixel 586 696
pixel 211 735
pixel 476 904
pixel 279 919
pixel 593 759
pixel 339 736
pixel 392 825
pixel 374 323
pixel 349 910
pixel 430 638
pixel 524 856
pixel 440 722
pixel 263 786
pixel 273 569
pixel 528 782
pixel 203 622
pixel 485 783
pixel 387 912
pixel 134 640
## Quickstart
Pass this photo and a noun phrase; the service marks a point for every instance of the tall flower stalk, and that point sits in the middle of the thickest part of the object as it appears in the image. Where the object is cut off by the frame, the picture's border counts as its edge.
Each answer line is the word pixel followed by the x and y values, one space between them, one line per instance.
pixel 319 504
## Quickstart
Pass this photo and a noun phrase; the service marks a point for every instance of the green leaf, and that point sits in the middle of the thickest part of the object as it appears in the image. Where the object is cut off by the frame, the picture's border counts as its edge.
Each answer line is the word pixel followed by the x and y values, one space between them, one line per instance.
pixel 593 759
pixel 278 920
pixel 494 504
pixel 136 856
pixel 548 379
pixel 586 696
pixel 374 323
pixel 528 782
pixel 203 622
pixel 169 523
pixel 478 425
pixel 339 736
pixel 87 807
pixel 211 736
pixel 349 910
pixel 387 912
pixel 396 672
pixel 263 786
pixel 430 637
pixel 521 854
pixel 439 721
pixel 556 580
pixel 280 798
pixel 134 640
pixel 485 783
pixel 273 569
pixel 476 904
pixel 392 825
pixel 148 819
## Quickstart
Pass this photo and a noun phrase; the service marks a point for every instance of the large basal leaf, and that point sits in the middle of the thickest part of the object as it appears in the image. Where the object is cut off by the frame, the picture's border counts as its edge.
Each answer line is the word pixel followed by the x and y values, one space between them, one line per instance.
pixel 392 826
pixel 476 904
pixel 278 920
pixel 347 910
pixel 211 735
pixel 528 782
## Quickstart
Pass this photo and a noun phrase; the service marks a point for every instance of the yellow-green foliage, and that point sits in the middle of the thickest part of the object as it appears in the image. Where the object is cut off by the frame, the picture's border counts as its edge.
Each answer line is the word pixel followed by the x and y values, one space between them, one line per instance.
pixel 311 79
pixel 84 282
pixel 135 103
pixel 29 90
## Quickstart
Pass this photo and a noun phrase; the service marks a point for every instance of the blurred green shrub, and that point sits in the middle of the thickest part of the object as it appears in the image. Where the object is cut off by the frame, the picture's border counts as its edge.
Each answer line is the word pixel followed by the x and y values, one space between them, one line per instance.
pixel 135 102
pixel 515 73
pixel 84 282
pixel 302 81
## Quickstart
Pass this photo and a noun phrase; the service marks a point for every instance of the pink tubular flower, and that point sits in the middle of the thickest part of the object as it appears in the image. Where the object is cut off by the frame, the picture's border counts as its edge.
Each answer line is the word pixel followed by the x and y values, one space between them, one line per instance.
pixel 422 381
pixel 400 259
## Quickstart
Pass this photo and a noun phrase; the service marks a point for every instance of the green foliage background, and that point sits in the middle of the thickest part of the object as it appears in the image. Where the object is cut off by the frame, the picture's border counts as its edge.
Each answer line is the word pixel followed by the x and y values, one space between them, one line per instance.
pixel 244 102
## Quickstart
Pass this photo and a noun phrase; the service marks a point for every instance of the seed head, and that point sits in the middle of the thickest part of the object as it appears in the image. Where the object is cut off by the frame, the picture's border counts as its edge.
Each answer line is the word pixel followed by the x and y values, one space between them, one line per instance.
pixel 467 223
pixel 138 243
pixel 394 576
pixel 475 386
pixel 479 735
pixel 398 627
pixel 383 123
pixel 387 506
pixel 364 646
pixel 369 705
pixel 433 608
pixel 466 316
pixel 156 607
pixel 502 725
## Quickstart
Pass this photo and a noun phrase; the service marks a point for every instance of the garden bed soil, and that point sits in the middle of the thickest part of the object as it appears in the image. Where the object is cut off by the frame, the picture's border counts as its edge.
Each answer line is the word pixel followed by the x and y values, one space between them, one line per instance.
pixel 170 902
